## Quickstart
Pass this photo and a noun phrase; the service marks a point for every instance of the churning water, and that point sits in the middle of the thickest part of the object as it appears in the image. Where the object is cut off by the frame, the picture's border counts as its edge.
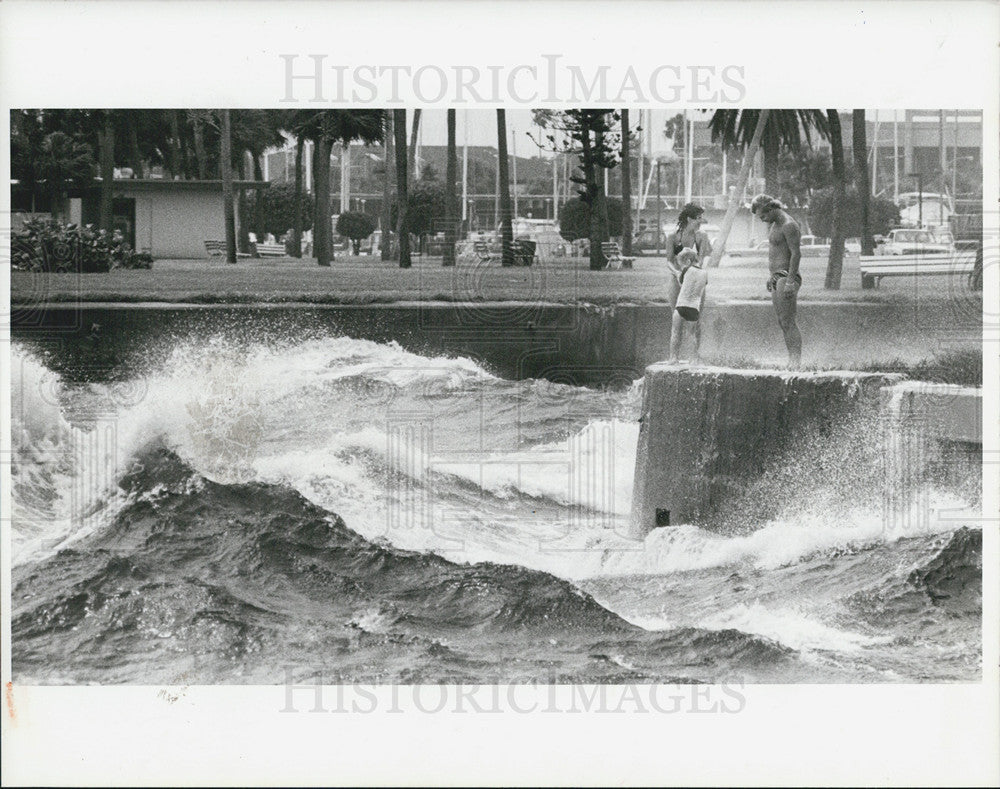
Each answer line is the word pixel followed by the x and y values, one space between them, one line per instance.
pixel 347 506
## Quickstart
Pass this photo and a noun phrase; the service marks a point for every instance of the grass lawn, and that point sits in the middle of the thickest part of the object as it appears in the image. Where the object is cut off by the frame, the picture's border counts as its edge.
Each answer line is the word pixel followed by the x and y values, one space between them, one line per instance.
pixel 366 280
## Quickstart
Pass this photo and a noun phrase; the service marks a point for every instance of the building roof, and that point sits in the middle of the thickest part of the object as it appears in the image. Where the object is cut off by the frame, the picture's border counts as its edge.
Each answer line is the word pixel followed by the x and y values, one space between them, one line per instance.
pixel 166 184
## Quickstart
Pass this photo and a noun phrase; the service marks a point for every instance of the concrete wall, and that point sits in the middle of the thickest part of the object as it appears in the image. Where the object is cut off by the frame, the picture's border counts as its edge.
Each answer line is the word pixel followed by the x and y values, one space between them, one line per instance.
pixel 580 345
pixel 709 434
pixel 175 223
pixel 933 435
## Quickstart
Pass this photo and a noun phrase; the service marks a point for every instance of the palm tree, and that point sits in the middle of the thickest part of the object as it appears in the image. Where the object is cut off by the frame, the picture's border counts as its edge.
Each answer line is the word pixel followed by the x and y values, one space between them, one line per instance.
pixel 322 230
pixel 506 228
pixel 860 145
pixel 411 160
pixel 626 187
pixel 106 137
pixel 388 177
pixel 297 220
pixel 226 165
pixel 197 120
pixel 402 192
pixel 450 198
pixel 785 129
pixel 324 127
pixel 741 184
pixel 835 265
pixel 173 117
pixel 63 161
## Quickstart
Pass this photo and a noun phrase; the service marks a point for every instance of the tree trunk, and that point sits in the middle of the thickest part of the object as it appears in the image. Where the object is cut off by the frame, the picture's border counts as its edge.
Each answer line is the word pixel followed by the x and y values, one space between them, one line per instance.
pixel 175 144
pixel 388 177
pixel 402 190
pixel 411 161
pixel 506 228
pixel 450 201
pixel 258 201
pixel 315 205
pixel 860 145
pixel 772 181
pixel 226 165
pixel 107 155
pixel 601 200
pixel 591 188
pixel 134 154
pixel 835 265
pixel 297 219
pixel 187 168
pixel 243 211
pixel 736 196
pixel 322 232
pixel 626 188
pixel 199 147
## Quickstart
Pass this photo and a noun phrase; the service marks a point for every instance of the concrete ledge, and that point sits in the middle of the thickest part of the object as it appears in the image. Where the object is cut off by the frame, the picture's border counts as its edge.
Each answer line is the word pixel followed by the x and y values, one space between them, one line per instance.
pixel 942 411
pixel 707 433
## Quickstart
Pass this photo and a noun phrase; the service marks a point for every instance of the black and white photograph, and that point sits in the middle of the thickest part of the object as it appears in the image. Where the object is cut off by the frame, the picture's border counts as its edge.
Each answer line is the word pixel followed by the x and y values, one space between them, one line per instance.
pixel 446 379
pixel 515 423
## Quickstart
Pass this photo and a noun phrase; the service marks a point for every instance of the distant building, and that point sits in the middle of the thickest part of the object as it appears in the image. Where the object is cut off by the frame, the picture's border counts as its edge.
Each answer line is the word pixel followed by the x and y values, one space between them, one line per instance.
pixel 169 219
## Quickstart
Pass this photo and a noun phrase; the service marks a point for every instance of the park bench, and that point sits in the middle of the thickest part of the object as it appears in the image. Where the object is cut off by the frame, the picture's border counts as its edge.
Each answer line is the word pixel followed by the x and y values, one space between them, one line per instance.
pixel 524 252
pixel 483 252
pixel 613 254
pixel 269 250
pixel 875 267
pixel 217 249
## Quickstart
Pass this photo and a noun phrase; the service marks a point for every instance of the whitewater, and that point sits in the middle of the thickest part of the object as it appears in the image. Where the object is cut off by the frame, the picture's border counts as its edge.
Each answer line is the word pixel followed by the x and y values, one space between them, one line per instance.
pixel 349 505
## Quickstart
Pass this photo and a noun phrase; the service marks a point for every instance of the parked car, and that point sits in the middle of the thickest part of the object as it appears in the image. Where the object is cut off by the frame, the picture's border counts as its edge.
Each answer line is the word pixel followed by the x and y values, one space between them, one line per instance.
pixel 755 251
pixel 644 242
pixel 814 246
pixel 905 241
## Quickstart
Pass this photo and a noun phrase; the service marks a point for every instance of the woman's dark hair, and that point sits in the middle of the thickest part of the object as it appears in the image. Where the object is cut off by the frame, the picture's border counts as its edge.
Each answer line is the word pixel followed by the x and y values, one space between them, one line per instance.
pixel 689 211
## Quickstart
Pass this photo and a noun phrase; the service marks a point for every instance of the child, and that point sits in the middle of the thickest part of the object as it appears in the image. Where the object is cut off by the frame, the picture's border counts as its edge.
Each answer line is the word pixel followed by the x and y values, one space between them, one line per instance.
pixel 690 301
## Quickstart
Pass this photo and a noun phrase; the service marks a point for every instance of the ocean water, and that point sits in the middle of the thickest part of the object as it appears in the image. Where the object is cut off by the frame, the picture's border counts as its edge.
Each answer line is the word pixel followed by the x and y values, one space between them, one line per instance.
pixel 241 513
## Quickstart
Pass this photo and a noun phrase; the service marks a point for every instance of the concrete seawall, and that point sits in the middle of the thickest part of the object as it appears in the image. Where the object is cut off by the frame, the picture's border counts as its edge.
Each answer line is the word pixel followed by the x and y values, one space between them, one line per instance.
pixel 933 438
pixel 710 438
pixel 577 344
pixel 708 434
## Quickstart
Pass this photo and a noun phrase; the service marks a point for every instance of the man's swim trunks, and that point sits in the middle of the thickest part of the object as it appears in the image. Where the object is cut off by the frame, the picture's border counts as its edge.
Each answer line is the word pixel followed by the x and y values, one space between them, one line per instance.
pixel 772 282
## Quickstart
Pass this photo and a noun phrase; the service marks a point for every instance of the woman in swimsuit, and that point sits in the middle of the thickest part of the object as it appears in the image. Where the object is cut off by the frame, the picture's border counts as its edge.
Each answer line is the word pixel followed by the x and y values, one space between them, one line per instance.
pixel 687 236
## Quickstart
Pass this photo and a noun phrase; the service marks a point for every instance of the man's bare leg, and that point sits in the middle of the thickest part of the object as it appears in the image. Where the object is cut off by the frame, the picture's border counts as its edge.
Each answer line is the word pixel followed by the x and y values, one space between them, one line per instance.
pixel 785 308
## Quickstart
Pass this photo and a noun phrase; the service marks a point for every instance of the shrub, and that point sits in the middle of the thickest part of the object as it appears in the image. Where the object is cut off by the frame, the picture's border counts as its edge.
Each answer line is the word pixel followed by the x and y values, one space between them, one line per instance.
pixel 884 214
pixel 278 209
pixel 355 226
pixel 574 218
pixel 49 245
pixel 426 208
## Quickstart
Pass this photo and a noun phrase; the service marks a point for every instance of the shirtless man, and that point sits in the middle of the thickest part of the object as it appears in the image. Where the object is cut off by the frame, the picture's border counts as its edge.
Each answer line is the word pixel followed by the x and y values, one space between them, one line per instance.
pixel 783 260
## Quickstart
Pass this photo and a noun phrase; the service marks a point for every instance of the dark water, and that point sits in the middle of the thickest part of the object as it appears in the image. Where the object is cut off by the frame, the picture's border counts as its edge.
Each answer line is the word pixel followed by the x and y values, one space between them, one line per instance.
pixel 347 506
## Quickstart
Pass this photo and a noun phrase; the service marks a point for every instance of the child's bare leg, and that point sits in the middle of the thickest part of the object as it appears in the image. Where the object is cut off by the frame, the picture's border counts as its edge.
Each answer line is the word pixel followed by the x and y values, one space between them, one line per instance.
pixel 676 336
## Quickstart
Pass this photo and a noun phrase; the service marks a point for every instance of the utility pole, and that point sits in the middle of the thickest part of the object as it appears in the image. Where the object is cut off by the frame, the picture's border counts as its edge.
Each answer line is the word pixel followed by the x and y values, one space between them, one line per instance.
pixel 465 167
pixel 874 178
pixel 944 163
pixel 638 148
pixel 895 157
pixel 345 177
pixel 513 148
pixel 954 163
pixel 659 208
pixel 555 187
